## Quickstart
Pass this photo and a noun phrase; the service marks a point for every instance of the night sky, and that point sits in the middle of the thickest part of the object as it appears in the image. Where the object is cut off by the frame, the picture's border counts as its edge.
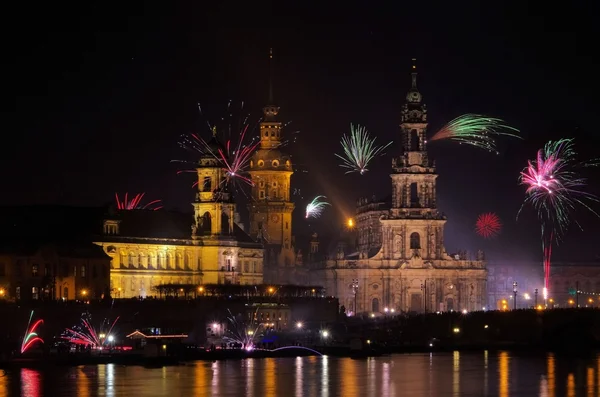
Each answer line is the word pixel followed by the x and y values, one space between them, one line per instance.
pixel 96 98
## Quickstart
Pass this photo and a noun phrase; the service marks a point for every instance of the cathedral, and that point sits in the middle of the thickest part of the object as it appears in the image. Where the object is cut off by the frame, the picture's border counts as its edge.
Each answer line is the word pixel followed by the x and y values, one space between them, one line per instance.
pixel 400 263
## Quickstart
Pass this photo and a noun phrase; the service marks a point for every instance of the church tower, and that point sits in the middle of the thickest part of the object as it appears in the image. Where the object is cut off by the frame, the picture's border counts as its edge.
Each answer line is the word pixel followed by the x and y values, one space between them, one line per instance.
pixel 414 219
pixel 214 207
pixel 271 207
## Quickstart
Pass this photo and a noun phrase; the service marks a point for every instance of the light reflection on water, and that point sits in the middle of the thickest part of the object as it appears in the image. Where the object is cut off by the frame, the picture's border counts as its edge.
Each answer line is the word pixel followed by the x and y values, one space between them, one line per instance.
pixel 442 374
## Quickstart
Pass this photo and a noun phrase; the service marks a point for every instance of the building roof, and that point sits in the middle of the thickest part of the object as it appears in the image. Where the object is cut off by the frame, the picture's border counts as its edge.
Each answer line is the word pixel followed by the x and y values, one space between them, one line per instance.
pixel 154 224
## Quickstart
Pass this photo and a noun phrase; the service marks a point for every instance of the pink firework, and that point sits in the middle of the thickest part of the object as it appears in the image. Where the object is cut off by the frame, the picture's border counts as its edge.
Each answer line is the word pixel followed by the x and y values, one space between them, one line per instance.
pixel 31 337
pixel 488 225
pixel 85 334
pixel 136 203
pixel 555 189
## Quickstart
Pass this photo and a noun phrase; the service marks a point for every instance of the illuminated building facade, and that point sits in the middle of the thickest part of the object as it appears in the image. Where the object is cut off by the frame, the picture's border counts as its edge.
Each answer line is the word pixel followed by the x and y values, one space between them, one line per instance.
pixel 150 248
pixel 49 271
pixel 400 262
pixel 270 206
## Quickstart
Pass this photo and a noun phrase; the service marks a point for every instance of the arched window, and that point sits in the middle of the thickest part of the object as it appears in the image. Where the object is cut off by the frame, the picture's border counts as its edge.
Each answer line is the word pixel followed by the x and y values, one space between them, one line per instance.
pixel 178 261
pixel 169 261
pixel 186 261
pixel 206 184
pixel 66 293
pixel 375 305
pixel 449 304
pixel 415 241
pixel 206 223
pixel 414 141
pixel 161 260
pixel 224 223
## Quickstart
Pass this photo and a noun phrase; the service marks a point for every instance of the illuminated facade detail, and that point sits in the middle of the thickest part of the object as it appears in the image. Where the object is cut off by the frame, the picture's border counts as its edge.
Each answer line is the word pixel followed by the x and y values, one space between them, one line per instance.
pixel 271 206
pixel 152 248
pixel 401 262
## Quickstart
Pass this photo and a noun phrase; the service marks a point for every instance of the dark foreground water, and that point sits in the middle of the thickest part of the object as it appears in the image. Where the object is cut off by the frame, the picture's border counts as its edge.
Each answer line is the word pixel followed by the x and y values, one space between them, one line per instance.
pixel 443 374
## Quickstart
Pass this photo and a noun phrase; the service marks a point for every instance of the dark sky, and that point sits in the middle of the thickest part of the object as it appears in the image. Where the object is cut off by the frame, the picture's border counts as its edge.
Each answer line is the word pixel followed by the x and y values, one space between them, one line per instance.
pixel 97 96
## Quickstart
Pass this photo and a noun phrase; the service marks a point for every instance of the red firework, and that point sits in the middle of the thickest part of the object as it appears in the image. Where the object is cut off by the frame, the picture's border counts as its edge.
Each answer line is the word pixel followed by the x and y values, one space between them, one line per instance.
pixel 488 225
pixel 135 203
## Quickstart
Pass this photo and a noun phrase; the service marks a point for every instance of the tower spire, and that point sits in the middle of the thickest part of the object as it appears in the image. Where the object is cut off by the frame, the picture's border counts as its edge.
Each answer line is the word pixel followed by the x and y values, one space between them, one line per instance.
pixel 414 73
pixel 271 76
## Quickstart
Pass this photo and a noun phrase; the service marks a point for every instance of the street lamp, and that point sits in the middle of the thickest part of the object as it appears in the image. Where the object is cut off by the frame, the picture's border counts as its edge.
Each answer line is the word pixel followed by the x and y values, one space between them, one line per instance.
pixel 355 290
pixel 535 293
pixel 515 295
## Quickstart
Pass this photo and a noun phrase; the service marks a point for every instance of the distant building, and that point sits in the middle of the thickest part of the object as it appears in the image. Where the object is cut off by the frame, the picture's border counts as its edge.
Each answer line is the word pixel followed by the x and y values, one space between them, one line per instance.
pixel 32 270
pixel 399 261
pixel 566 278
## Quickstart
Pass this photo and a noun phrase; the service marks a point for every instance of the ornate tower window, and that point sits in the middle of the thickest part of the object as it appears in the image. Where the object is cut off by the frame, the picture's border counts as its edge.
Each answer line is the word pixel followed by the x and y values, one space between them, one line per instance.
pixel 206 185
pixel 275 163
pixel 415 241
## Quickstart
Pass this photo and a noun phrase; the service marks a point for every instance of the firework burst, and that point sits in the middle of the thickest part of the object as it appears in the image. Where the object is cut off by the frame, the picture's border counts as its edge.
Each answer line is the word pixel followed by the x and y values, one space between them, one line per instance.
pixel 244 334
pixel 488 225
pixel 555 190
pixel 476 130
pixel 359 149
pixel 232 157
pixel 315 208
pixel 31 336
pixel 85 334
pixel 135 203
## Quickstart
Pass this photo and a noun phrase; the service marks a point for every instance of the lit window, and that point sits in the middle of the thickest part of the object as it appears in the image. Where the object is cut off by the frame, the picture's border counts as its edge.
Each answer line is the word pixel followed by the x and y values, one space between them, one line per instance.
pixel 261 194
pixel 35 270
pixel 275 163
pixel 261 163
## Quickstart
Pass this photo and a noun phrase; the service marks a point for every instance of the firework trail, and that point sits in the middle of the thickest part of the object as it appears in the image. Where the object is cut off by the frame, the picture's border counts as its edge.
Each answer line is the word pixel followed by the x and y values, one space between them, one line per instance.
pixel 85 334
pixel 476 130
pixel 31 336
pixel 242 333
pixel 488 225
pixel 316 207
pixel 136 203
pixel 554 190
pixel 359 149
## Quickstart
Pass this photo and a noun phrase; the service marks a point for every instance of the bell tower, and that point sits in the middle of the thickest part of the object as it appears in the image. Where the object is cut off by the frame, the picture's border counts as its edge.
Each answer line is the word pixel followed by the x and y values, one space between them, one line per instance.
pixel 270 207
pixel 214 207
pixel 414 218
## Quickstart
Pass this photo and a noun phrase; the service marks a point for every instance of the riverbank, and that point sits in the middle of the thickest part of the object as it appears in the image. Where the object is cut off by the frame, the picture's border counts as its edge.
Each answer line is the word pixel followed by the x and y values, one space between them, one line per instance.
pixel 138 358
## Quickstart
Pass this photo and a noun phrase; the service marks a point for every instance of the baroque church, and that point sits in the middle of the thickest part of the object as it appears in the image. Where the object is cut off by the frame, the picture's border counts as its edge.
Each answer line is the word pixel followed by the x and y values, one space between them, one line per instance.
pixel 150 248
pixel 400 263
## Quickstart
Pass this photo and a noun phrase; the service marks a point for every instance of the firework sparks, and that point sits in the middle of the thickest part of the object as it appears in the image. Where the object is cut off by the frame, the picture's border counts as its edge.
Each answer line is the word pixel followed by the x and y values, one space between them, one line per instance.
pixel 31 336
pixel 359 149
pixel 476 130
pixel 244 334
pixel 85 334
pixel 233 157
pixel 488 225
pixel 135 203
pixel 315 208
pixel 555 189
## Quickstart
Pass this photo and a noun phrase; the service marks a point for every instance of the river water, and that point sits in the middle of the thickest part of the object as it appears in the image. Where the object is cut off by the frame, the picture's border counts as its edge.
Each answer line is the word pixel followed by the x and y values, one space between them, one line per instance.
pixel 438 374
